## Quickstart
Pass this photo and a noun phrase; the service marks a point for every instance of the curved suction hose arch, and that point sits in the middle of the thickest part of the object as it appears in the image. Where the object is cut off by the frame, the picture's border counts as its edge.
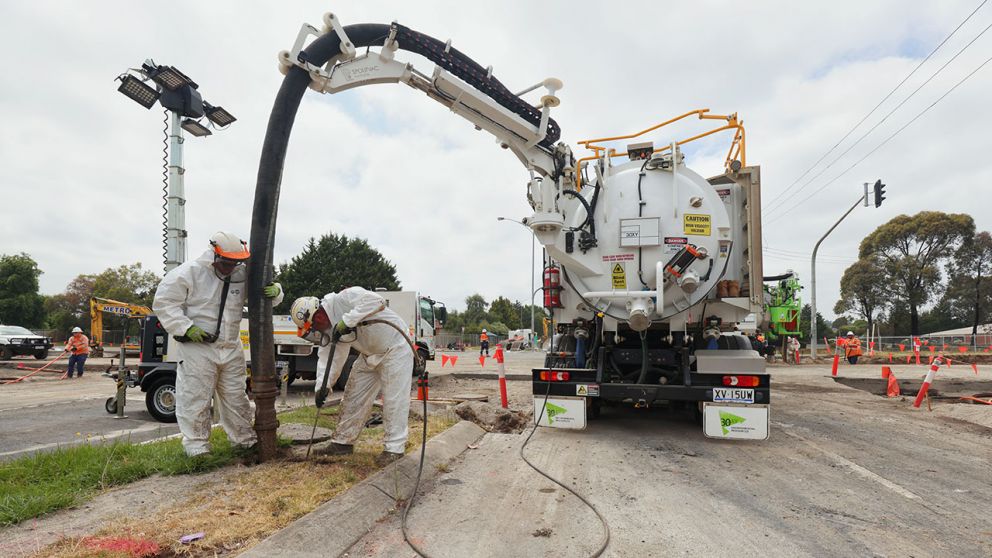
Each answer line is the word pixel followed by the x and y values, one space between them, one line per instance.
pixel 269 179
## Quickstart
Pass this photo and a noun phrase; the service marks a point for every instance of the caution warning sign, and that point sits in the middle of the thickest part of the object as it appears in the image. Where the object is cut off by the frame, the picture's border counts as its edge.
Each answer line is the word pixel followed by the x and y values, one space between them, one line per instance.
pixel 696 224
pixel 619 277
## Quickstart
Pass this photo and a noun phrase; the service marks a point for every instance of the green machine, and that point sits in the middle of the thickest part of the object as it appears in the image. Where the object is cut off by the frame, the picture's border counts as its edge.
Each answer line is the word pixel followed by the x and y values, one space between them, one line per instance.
pixel 782 303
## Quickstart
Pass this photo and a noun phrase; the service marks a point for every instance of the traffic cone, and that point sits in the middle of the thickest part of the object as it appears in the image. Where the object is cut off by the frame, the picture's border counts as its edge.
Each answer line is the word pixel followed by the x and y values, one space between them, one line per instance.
pixel 886 371
pixel 892 390
pixel 975 368
pixel 453 359
pixel 444 360
pixel 482 361
pixel 890 357
pixel 833 372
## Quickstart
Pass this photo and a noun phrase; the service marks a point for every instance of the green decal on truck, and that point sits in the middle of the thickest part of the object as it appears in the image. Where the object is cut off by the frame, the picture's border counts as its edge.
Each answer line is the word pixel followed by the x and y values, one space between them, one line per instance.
pixel 729 419
pixel 553 411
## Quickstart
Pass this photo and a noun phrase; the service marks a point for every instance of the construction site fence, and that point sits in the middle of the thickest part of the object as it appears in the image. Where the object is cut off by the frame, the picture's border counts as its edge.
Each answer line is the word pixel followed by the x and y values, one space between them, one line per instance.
pixel 462 341
pixel 111 337
pixel 905 343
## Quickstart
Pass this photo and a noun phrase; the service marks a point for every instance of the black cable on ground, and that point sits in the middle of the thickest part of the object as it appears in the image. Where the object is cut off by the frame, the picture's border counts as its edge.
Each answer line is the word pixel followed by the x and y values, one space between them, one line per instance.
pixel 606 525
pixel 416 485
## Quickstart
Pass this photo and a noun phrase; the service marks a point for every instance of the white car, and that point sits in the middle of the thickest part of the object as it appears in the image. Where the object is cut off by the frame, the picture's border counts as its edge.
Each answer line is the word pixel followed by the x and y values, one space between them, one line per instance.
pixel 16 340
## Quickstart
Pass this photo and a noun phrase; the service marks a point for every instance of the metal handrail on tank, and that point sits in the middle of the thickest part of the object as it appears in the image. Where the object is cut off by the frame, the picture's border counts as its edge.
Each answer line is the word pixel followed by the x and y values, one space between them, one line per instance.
pixel 736 152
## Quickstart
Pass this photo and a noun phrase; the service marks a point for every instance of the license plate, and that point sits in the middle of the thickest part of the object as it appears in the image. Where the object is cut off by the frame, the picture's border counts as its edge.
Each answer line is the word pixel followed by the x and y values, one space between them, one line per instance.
pixel 561 412
pixel 735 422
pixel 733 395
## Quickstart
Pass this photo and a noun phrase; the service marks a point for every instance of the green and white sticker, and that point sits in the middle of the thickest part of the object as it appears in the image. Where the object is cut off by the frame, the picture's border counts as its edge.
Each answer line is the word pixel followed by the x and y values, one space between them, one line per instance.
pixel 735 422
pixel 561 412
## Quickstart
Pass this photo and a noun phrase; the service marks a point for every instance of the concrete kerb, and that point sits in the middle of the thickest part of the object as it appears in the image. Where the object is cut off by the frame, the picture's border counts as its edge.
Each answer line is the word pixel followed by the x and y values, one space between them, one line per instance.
pixel 331 529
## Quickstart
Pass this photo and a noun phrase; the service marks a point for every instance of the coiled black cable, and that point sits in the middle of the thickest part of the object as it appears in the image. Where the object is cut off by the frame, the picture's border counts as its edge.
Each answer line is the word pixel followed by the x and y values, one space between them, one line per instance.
pixel 165 187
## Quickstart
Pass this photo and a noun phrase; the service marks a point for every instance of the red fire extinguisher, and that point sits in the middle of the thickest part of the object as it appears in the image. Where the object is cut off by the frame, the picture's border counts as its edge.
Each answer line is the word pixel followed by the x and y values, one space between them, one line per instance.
pixel 552 287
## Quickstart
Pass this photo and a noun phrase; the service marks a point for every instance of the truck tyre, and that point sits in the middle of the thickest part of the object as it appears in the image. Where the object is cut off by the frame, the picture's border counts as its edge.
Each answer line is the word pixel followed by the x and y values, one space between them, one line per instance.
pixel 161 400
pixel 111 405
pixel 424 355
pixel 6 353
pixel 41 355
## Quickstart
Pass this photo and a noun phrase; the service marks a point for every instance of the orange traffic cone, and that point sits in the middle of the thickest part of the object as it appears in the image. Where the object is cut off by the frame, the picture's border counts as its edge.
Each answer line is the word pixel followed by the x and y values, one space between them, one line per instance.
pixel 893 388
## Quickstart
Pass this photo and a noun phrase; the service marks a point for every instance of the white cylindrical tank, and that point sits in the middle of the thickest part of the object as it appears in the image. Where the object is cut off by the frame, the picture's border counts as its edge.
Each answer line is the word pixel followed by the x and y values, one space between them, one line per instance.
pixel 650 217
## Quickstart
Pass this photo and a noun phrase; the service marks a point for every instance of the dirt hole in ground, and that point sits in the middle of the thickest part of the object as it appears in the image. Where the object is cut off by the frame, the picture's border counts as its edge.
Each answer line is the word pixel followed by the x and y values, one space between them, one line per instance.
pixel 493 418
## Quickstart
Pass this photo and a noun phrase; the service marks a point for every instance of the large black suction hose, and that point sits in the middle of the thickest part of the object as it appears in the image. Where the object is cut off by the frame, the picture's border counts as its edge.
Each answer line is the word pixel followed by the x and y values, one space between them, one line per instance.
pixel 269 179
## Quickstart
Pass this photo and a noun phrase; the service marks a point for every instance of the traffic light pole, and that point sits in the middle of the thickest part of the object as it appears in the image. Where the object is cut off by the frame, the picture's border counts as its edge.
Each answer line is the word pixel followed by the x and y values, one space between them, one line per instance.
pixel 812 304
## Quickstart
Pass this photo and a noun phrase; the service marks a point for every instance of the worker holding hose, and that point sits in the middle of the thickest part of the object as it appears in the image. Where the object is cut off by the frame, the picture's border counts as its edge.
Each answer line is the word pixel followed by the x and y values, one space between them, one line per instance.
pixel 385 363
pixel 200 303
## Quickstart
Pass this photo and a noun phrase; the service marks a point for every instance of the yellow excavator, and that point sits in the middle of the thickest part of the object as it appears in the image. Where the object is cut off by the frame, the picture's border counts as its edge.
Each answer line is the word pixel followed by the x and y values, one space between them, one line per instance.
pixel 99 306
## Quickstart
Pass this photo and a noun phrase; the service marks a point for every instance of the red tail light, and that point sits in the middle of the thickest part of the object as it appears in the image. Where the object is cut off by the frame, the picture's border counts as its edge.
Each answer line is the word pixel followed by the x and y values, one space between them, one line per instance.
pixel 741 381
pixel 549 376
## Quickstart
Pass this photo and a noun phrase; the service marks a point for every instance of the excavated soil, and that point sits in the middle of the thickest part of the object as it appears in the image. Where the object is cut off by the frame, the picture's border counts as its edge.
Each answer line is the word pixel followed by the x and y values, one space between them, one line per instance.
pixel 494 418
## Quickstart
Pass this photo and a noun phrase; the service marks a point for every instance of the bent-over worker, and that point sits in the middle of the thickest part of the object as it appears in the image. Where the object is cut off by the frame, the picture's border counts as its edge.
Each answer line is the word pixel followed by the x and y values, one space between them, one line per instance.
pixel 200 303
pixel 385 362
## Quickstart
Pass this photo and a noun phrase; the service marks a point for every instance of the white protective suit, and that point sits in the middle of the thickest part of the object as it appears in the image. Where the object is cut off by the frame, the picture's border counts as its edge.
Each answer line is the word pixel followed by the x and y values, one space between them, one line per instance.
pixel 190 295
pixel 385 361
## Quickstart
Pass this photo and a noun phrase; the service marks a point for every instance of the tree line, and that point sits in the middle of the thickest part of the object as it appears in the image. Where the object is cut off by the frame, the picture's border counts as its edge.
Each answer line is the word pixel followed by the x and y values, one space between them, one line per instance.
pixel 324 265
pixel 919 274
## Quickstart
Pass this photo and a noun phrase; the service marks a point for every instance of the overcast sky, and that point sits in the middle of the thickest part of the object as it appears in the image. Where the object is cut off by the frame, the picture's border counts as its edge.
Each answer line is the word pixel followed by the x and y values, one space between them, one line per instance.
pixel 82 164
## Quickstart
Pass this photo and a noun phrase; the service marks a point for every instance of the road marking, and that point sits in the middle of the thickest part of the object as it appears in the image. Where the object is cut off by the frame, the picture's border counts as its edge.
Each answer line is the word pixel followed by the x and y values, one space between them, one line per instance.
pixel 858 469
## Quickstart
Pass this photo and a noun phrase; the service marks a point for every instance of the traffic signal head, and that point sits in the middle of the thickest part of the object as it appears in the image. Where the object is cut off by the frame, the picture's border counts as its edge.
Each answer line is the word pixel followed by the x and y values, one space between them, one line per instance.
pixel 879 192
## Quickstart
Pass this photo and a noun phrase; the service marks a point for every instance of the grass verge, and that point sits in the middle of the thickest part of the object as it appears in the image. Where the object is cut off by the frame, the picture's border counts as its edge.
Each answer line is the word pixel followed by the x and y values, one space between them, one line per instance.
pixel 45 482
pixel 245 505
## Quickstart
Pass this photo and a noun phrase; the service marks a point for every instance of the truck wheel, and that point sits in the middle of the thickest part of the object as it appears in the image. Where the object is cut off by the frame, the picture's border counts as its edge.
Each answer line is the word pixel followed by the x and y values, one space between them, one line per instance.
pixel 423 354
pixel 41 355
pixel 595 408
pixel 6 353
pixel 161 400
pixel 111 405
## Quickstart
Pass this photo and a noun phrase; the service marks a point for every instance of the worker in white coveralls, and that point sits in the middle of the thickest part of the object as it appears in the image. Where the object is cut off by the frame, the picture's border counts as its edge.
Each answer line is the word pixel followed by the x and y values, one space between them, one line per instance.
pixel 200 303
pixel 385 362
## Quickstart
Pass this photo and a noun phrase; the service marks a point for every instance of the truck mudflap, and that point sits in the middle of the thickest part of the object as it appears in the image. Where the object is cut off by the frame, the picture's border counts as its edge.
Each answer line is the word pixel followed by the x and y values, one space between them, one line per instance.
pixel 735 421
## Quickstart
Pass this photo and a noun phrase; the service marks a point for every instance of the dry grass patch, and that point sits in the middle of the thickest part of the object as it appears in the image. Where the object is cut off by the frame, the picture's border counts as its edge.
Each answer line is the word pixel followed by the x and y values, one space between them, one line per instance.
pixel 246 505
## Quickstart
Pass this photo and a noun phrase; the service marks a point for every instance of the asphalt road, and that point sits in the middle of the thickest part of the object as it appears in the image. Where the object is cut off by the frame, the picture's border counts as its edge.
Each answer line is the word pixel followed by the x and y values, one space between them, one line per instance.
pixel 844 473
pixel 44 412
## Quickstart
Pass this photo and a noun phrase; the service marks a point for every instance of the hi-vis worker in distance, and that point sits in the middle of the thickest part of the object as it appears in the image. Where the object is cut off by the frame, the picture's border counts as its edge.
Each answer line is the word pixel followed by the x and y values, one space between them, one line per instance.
pixel 199 303
pixel 852 348
pixel 385 362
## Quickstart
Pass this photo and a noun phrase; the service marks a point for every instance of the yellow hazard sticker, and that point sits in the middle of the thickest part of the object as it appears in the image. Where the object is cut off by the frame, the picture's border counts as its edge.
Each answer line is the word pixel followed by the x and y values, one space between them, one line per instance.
pixel 696 224
pixel 244 338
pixel 581 389
pixel 619 277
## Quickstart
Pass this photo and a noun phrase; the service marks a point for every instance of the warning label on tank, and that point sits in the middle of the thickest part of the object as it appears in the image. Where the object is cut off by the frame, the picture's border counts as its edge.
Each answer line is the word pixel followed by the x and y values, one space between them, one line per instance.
pixel 619 277
pixel 618 258
pixel 696 224
pixel 675 243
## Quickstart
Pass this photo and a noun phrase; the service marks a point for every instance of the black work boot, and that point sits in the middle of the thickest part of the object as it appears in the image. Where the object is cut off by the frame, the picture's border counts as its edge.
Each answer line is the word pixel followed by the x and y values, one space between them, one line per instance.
pixel 386 457
pixel 336 449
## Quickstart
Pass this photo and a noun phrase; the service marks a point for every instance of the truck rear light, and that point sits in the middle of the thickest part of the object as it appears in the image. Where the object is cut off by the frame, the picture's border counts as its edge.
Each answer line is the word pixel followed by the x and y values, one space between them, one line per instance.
pixel 741 381
pixel 549 376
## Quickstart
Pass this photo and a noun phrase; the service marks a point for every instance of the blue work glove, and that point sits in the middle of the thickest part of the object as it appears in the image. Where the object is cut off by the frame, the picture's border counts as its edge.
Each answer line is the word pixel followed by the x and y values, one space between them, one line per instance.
pixel 272 290
pixel 195 334
pixel 320 397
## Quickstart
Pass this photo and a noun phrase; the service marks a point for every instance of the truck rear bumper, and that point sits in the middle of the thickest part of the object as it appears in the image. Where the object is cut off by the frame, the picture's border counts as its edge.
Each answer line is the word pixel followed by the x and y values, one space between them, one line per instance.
pixel 637 392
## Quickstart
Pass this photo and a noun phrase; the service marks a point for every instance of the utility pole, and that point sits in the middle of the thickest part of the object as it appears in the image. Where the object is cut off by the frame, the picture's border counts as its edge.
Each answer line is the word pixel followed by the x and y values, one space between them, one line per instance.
pixel 879 191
